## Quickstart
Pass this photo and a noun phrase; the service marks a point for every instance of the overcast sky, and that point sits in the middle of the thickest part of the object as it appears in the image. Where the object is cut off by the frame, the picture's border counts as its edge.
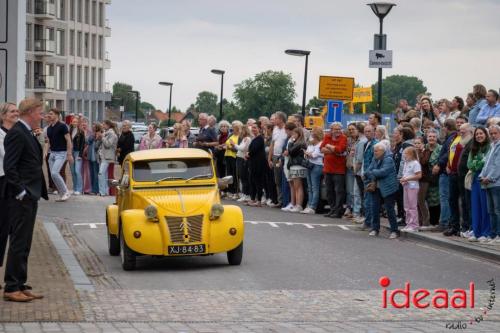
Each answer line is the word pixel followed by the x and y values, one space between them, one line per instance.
pixel 449 44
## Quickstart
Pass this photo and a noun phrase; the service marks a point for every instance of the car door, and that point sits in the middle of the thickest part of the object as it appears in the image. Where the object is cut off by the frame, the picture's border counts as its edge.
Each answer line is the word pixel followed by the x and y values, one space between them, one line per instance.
pixel 123 189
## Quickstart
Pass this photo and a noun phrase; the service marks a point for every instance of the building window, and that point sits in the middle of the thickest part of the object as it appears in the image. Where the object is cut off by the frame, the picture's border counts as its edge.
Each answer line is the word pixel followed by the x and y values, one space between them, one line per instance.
pixel 79 44
pixel 101 47
pixel 71 105
pixel 29 37
pixel 87 11
pixel 60 10
pixel 71 77
pixel 29 6
pixel 92 79
pixel 79 10
pixel 86 79
pixel 60 78
pixel 79 106
pixel 60 42
pixel 86 45
pixel 94 46
pixel 27 83
pixel 100 79
pixel 101 14
pixel 72 42
pixel 79 78
pixel 72 10
pixel 94 12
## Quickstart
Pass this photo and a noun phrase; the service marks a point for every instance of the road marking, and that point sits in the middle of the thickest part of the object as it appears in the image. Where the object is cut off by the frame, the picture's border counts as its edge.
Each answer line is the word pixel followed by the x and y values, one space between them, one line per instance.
pixel 91 225
pixel 343 227
pixel 274 225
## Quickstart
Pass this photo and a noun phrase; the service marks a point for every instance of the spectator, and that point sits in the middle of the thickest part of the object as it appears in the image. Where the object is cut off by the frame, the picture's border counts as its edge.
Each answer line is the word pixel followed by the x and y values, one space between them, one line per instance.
pixel 403 138
pixel 401 110
pixel 180 136
pixel 256 163
pixel 469 104
pixel 490 178
pixel 423 186
pixel 92 154
pixel 412 173
pixel 466 132
pixel 358 191
pixel 151 140
pixel 315 157
pixel 87 182
pixel 427 112
pixel 381 136
pixel 298 120
pixel 443 112
pixel 457 107
pixel 461 120
pixel 230 158
pixel 416 125
pixel 125 142
pixel 242 164
pixel 367 160
pixel 433 196
pixel 276 149
pixel 220 150
pixel 480 218
pixel 270 186
pixel 186 126
pixel 352 138
pixel 334 147
pixel 296 148
pixel 375 119
pixel 286 182
pixel 381 174
pixel 489 110
pixel 107 152
pixel 264 121
pixel 207 137
pixel 479 94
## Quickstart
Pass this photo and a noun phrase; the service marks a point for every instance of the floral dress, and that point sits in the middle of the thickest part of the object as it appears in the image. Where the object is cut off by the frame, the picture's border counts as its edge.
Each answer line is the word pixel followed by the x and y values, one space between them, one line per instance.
pixel 433 191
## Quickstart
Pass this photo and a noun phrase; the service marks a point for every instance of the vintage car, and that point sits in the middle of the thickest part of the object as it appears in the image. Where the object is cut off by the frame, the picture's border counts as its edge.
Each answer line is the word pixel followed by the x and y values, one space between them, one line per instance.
pixel 168 204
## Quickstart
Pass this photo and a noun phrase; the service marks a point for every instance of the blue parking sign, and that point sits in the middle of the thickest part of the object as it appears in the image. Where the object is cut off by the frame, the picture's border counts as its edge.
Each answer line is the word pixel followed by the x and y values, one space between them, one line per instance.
pixel 334 114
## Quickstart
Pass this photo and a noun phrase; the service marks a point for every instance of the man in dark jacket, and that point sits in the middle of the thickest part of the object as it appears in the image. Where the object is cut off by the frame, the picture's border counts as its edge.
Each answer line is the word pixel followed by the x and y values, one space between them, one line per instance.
pixel 125 142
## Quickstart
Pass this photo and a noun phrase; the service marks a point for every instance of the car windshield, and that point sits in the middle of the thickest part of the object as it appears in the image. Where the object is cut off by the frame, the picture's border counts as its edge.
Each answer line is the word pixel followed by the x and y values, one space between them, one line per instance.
pixel 152 171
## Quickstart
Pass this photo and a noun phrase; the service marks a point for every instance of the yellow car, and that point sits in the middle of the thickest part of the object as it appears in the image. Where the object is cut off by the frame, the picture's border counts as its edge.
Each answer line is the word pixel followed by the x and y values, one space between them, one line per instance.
pixel 168 204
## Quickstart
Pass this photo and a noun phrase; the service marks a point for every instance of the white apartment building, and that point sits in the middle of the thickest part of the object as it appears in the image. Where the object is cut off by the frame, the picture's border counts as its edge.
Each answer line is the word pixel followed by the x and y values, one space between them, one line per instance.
pixel 66 56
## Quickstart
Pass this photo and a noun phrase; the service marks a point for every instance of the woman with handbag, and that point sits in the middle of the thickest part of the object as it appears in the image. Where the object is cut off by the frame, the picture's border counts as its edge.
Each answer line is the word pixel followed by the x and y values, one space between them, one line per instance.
pixel 296 149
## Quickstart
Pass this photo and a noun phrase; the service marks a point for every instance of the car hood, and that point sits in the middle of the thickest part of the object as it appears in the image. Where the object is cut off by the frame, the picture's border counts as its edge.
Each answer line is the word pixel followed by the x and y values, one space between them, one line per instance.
pixel 183 201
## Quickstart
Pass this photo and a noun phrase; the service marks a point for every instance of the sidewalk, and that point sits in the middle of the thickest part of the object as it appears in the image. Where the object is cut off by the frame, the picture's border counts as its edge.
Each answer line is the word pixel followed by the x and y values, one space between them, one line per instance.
pixel 48 276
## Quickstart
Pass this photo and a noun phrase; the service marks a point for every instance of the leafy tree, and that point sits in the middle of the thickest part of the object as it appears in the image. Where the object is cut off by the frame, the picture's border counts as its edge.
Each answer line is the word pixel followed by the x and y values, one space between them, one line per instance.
pixel 231 111
pixel 315 102
pixel 121 96
pixel 394 88
pixel 206 101
pixel 264 94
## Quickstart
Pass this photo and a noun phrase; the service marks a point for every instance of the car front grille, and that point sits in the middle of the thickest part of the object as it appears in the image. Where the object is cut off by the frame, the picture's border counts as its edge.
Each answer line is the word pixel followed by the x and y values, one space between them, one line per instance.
pixel 185 229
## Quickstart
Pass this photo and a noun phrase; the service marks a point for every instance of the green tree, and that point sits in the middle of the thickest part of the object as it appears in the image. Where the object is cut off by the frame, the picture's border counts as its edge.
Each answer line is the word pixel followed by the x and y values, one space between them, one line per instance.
pixel 394 88
pixel 206 101
pixel 315 102
pixel 121 96
pixel 264 94
pixel 230 109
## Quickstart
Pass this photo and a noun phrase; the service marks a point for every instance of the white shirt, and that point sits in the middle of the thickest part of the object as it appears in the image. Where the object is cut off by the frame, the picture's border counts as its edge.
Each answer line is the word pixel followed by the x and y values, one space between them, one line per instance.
pixel 242 148
pixel 317 155
pixel 2 151
pixel 279 138
pixel 410 169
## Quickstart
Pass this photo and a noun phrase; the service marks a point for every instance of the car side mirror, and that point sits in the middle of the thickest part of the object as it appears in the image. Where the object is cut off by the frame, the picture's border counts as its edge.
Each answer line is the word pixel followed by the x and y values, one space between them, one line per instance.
pixel 113 182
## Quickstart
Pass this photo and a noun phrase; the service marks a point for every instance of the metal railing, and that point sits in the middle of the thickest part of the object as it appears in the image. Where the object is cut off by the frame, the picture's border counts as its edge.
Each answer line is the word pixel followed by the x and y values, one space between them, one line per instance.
pixel 44 45
pixel 44 82
pixel 44 7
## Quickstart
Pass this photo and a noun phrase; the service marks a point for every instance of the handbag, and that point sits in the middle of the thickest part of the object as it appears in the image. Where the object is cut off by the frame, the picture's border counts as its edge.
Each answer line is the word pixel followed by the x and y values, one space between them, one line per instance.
pixel 307 164
pixel 468 180
pixel 371 187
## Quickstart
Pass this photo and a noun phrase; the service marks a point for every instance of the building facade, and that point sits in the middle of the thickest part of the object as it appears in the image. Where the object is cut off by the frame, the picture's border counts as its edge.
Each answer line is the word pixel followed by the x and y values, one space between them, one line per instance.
pixel 66 56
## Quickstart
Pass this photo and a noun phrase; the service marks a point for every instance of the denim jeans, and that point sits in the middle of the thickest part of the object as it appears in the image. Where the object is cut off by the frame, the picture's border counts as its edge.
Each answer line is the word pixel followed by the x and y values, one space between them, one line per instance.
pixel 454 201
pixel 103 178
pixel 479 208
pixel 369 201
pixel 493 196
pixel 94 176
pixel 56 162
pixel 389 203
pixel 314 185
pixel 349 187
pixel 444 197
pixel 76 172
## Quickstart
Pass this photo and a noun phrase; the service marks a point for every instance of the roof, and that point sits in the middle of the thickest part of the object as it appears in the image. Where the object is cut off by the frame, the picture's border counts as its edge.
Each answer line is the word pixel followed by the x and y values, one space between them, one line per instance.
pixel 166 153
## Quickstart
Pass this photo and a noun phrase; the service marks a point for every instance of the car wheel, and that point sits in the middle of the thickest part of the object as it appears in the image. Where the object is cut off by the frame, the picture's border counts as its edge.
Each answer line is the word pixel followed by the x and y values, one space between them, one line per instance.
pixel 234 256
pixel 113 244
pixel 126 254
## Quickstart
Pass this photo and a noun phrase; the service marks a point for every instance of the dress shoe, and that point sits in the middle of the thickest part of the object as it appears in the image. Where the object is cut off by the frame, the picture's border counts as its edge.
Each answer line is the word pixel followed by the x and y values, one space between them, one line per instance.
pixel 32 295
pixel 17 296
pixel 329 214
pixel 451 232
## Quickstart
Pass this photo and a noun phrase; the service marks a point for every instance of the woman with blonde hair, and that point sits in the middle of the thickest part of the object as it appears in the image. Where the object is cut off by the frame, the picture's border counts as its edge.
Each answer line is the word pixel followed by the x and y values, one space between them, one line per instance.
pixel 296 148
pixel 314 155
pixel 230 158
pixel 181 140
pixel 242 164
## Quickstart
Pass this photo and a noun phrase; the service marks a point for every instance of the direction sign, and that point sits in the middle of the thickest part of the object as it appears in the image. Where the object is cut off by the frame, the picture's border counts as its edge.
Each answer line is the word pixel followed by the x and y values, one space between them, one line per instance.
pixel 336 88
pixel 334 114
pixel 380 59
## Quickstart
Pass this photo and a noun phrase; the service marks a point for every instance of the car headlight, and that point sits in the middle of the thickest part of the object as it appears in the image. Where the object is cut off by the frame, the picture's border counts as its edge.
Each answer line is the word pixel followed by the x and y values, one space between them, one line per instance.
pixel 216 211
pixel 151 212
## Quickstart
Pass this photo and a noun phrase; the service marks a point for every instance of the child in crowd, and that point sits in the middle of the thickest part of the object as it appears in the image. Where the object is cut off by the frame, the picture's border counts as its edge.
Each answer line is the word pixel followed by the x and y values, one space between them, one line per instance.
pixel 412 173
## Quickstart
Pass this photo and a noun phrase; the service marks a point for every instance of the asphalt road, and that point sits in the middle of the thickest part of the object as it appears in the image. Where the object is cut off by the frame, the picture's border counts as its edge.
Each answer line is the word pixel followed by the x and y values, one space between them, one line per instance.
pixel 282 251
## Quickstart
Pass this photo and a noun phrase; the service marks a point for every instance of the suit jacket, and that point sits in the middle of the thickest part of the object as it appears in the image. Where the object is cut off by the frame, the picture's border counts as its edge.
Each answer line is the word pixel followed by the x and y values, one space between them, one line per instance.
pixel 23 163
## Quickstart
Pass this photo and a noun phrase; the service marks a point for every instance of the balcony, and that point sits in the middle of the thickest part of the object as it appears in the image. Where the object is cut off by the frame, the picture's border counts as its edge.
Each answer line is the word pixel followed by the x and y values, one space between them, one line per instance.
pixel 44 47
pixel 107 62
pixel 107 29
pixel 44 83
pixel 45 10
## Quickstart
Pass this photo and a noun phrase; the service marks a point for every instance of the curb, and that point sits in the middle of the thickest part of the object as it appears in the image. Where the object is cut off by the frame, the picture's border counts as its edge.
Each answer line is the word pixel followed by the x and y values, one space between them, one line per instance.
pixel 452 245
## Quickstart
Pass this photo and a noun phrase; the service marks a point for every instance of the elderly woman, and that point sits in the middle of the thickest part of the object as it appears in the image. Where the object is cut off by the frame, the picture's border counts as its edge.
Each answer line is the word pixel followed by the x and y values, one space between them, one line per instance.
pixel 107 152
pixel 125 142
pixel 382 176
pixel 151 140
pixel 220 149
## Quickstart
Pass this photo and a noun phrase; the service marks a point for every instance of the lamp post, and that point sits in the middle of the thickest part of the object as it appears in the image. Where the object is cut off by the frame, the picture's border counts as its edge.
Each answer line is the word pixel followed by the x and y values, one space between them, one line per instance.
pixel 136 93
pixel 221 73
pixel 169 84
pixel 301 53
pixel 381 9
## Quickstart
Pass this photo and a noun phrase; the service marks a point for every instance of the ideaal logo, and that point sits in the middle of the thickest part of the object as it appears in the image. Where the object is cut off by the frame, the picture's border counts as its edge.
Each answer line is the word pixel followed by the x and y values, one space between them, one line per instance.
pixel 438 299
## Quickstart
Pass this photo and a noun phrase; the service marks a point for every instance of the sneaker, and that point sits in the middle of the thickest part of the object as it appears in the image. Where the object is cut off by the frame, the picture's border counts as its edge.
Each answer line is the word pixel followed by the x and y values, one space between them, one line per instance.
pixel 411 229
pixel 494 240
pixel 263 200
pixel 287 208
pixel 308 210
pixel 497 240
pixel 484 239
pixel 76 193
pixel 472 239
pixel 295 209
pixel 360 220
pixel 64 197
pixel 373 233
pixel 269 202
pixel 347 213
pixel 274 205
pixel 393 235
pixel 242 198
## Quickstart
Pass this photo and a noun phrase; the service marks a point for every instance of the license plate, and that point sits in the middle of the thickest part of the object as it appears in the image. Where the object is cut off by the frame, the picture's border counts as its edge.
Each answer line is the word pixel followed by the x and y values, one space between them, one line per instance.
pixel 186 250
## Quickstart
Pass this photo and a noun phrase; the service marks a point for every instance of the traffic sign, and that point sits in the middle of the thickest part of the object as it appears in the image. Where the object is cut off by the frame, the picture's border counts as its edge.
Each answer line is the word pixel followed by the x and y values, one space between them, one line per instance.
pixel 122 108
pixel 380 59
pixel 336 88
pixel 335 109
pixel 362 95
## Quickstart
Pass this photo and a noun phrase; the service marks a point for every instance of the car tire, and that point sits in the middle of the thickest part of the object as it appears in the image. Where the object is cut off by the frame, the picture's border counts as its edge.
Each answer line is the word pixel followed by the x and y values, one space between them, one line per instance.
pixel 127 255
pixel 113 244
pixel 235 255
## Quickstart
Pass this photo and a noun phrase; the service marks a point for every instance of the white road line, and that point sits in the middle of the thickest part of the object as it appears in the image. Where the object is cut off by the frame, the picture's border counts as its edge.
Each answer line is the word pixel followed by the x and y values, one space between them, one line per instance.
pixel 308 226
pixel 274 225
pixel 91 225
pixel 343 227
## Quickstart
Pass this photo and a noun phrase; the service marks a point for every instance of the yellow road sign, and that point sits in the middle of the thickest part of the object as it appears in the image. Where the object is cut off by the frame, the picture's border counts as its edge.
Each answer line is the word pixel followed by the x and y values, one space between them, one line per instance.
pixel 336 88
pixel 362 95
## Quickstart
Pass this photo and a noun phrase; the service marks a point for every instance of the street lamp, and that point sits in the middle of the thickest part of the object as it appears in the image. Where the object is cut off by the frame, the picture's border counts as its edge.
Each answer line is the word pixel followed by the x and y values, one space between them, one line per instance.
pixel 381 9
pixel 136 93
pixel 169 84
pixel 221 73
pixel 301 53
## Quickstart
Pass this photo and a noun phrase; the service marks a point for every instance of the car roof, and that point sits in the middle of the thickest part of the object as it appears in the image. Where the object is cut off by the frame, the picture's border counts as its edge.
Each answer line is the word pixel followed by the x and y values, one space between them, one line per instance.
pixel 168 153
